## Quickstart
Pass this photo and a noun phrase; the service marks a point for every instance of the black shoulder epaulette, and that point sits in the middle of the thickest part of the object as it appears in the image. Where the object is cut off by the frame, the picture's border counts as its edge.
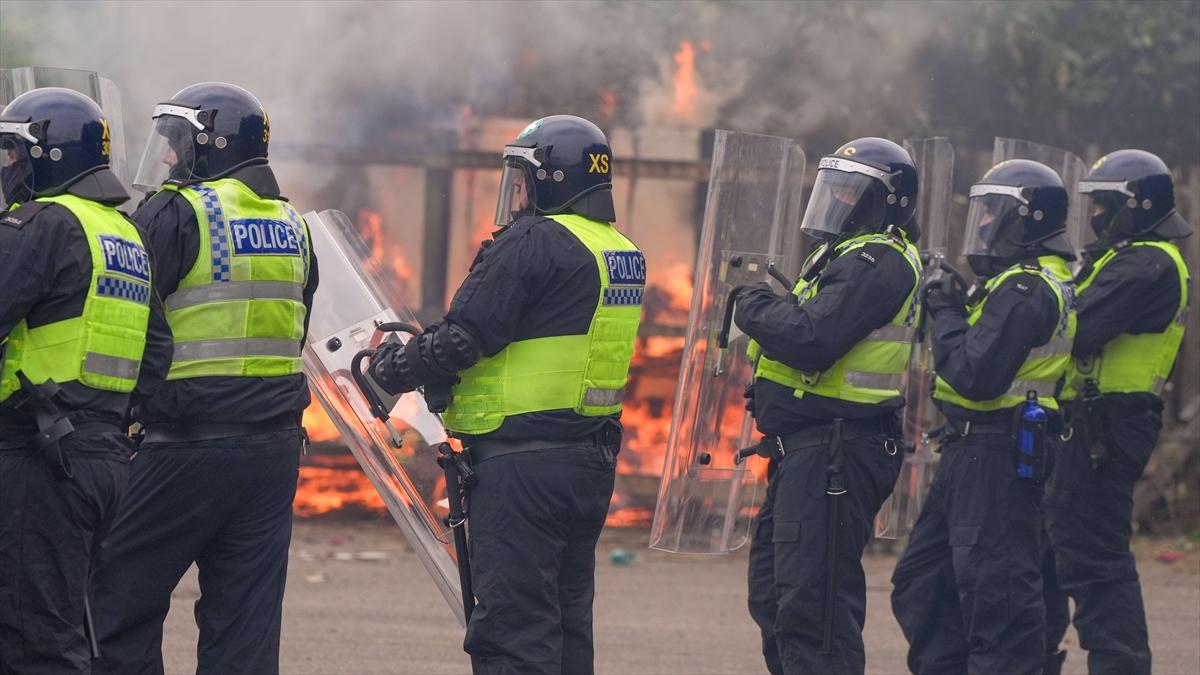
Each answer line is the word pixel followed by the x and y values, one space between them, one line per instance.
pixel 23 214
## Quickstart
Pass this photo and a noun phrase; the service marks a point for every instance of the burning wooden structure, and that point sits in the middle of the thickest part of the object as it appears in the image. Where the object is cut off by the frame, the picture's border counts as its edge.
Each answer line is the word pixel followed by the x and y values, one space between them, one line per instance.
pixel 423 199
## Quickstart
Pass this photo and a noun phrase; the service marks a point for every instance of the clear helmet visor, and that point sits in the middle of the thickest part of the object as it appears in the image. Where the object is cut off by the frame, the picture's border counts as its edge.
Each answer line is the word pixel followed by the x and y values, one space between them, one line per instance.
pixel 16 171
pixel 841 203
pixel 169 154
pixel 516 196
pixel 987 215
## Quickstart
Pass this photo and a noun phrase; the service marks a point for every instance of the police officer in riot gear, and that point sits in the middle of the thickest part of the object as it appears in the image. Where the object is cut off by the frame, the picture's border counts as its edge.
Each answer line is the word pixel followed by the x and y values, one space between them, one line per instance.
pixel 828 365
pixel 221 395
pixel 536 347
pixel 1133 294
pixel 74 305
pixel 968 588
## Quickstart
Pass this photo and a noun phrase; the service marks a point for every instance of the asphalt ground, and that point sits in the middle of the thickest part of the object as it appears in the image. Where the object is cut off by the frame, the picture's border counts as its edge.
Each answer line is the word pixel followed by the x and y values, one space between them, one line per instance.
pixel 358 602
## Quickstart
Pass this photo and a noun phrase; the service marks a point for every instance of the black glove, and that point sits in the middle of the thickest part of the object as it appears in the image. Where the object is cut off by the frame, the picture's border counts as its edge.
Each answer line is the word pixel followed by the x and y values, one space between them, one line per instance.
pixel 943 293
pixel 760 286
pixel 388 367
pixel 748 394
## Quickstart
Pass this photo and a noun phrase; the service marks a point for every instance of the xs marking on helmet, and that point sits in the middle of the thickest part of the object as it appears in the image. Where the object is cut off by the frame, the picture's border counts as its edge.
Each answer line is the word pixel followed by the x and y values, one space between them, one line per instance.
pixel 849 152
pixel 266 126
pixel 105 138
pixel 599 163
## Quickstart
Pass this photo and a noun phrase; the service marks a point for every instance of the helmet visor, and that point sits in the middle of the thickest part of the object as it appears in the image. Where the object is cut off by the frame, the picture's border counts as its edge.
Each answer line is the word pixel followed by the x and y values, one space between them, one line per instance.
pixel 846 199
pixel 516 194
pixel 169 154
pixel 16 171
pixel 991 207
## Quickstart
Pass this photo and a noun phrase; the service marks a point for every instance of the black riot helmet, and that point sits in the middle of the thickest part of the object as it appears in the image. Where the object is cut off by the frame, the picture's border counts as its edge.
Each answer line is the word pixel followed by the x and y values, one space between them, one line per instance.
pixel 51 139
pixel 558 164
pixel 1018 211
pixel 1132 196
pixel 204 132
pixel 868 185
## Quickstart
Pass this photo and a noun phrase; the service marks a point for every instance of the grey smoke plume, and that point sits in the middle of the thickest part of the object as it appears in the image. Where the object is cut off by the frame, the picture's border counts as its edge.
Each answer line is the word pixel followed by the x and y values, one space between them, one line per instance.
pixel 316 65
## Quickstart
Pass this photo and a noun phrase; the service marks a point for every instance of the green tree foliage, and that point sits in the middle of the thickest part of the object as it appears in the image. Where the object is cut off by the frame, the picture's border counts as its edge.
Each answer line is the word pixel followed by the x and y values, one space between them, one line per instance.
pixel 1112 74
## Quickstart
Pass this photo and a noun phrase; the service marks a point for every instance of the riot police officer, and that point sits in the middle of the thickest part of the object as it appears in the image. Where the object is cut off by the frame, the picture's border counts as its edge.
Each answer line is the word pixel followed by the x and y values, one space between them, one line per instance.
pixel 221 396
pixel 74 305
pixel 537 345
pixel 968 588
pixel 1133 295
pixel 828 365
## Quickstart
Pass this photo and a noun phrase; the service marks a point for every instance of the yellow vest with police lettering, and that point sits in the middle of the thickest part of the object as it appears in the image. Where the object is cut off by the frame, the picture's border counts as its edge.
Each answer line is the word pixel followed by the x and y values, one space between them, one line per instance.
pixel 102 347
pixel 585 373
pixel 239 311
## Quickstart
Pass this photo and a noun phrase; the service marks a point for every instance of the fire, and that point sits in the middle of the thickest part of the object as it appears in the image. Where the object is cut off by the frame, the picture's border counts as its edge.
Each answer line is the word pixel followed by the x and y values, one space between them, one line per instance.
pixel 683 104
pixel 318 425
pixel 333 482
pixel 387 255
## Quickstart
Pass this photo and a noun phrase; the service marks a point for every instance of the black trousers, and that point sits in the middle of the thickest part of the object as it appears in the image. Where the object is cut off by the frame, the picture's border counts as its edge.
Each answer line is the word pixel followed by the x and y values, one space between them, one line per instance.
pixel 1089 513
pixel 50 530
pixel 787 569
pixel 968 588
pixel 535 518
pixel 227 506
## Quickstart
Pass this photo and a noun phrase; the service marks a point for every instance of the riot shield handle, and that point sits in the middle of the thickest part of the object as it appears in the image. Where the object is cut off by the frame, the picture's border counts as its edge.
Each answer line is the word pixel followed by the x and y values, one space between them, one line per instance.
pixel 727 321
pixel 378 410
pixel 779 276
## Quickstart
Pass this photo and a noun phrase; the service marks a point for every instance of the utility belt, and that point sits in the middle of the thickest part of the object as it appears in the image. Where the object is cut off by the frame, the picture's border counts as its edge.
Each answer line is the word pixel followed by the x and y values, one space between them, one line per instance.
pixel 1025 437
pixel 776 447
pixel 190 432
pixel 24 442
pixel 963 428
pixel 36 401
pixel 607 439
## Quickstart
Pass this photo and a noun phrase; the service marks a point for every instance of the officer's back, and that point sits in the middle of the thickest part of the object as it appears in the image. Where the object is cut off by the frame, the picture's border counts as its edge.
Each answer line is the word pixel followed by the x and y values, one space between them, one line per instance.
pixel 221 396
pixel 74 294
pixel 534 353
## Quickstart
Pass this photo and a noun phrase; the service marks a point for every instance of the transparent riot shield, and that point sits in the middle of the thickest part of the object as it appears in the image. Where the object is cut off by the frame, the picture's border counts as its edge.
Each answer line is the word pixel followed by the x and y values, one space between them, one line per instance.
pixel 352 301
pixel 708 495
pixel 17 81
pixel 934 158
pixel 1068 166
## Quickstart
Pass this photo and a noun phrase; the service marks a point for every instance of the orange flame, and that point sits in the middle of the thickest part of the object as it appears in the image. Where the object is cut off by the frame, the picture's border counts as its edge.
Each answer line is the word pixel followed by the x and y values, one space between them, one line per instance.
pixel 318 425
pixel 683 104
pixel 333 482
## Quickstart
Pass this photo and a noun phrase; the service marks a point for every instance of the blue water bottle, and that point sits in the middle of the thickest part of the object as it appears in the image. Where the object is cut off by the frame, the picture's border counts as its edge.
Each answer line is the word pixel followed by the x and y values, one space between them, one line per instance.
pixel 1031 439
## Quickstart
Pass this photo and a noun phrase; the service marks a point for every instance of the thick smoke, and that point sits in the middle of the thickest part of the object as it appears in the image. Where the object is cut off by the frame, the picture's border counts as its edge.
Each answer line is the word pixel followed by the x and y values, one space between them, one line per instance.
pixel 320 66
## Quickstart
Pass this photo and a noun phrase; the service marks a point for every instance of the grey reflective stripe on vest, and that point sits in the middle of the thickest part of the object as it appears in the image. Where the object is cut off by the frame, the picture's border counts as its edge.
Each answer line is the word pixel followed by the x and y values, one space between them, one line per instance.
pixel 113 366
pixel 892 333
pixel 236 348
pixel 603 398
pixel 865 380
pixel 1055 347
pixel 1043 388
pixel 235 290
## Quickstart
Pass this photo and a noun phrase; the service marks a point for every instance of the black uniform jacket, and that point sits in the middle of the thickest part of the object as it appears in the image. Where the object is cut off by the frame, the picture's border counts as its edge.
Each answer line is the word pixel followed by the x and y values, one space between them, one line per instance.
pixel 981 361
pixel 859 292
pixel 1136 292
pixel 45 275
pixel 172 234
pixel 534 280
